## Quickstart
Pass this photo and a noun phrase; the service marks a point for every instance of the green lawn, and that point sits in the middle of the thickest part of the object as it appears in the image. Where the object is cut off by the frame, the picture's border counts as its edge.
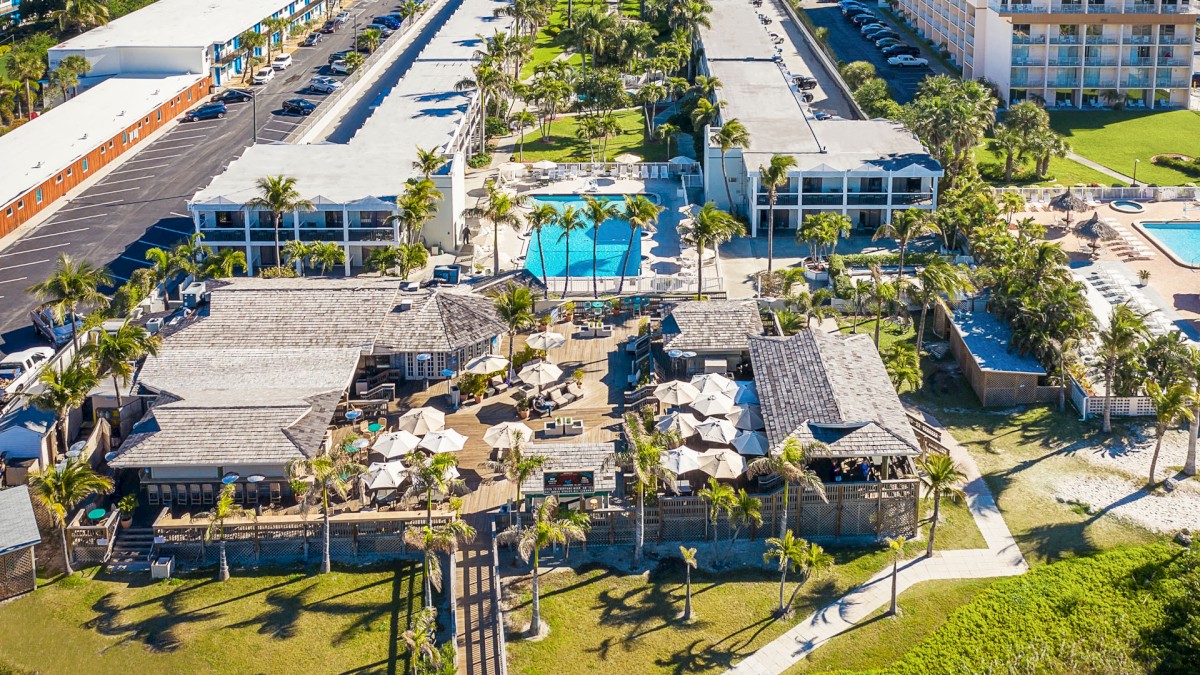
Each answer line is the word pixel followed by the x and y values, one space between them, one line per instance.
pixel 1063 171
pixel 259 621
pixel 1116 138
pixel 563 146
pixel 545 45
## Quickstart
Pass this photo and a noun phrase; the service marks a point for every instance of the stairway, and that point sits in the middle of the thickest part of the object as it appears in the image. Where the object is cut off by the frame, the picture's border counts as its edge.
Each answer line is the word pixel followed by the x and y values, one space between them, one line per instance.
pixel 131 551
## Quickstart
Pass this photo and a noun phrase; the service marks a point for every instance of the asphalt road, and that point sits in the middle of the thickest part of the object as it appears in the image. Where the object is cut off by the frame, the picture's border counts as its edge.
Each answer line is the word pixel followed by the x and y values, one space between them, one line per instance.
pixel 143 203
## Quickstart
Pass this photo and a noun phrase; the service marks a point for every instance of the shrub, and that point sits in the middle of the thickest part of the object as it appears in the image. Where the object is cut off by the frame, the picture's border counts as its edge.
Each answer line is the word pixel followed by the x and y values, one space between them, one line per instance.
pixel 1189 167
pixel 277 272
pixel 525 356
pixel 479 161
pixel 496 126
pixel 837 264
pixel 886 259
pixel 842 288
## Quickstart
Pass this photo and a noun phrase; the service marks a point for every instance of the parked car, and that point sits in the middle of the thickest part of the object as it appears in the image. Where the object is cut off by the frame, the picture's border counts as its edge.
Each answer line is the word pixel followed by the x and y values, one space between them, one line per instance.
pixel 804 82
pixel 312 40
pixel 896 50
pixel 821 115
pixel 853 12
pixel 299 106
pixel 263 75
pixel 323 84
pixel 386 21
pixel 807 96
pixel 330 26
pixel 208 111
pixel 19 370
pixel 904 60
pixel 281 61
pixel 868 28
pixel 343 17
pixel 341 67
pixel 876 35
pixel 861 19
pixel 57 332
pixel 883 43
pixel 233 96
pixel 384 31
pixel 338 56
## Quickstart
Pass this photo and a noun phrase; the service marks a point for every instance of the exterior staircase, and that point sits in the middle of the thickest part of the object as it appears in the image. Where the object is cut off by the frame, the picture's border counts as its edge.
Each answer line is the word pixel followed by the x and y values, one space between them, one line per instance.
pixel 131 551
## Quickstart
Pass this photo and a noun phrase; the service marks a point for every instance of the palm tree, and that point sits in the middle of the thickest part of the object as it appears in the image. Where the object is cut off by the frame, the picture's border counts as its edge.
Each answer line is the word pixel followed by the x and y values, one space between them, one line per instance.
pixel 278 194
pixel 223 263
pixel 704 113
pixel 860 290
pixel 164 265
pixel 1172 405
pixel 732 134
pixel 791 465
pixel 514 306
pixel 903 366
pixel 540 217
pixel 431 476
pixel 26 66
pixel 326 254
pixel 896 549
pixel 223 510
pixel 116 353
pixel 368 39
pixel 420 641
pixel 516 466
pixel 881 294
pixel 689 562
pixel 412 257
pixel 1126 330
pixel 250 41
pixel 720 498
pixel 330 472
pixel 521 121
pixel 432 541
pixel 794 553
pixel 489 81
pixel 500 207
pixel 297 253
pixel 905 227
pixel 937 278
pixel 383 258
pixel 547 529
pixel 942 477
pixel 666 131
pixel 1010 203
pixel 570 220
pixel 710 228
pixel 598 211
pixel 61 489
pixel 1192 366
pixel 275 24
pixel 63 391
pixel 81 14
pixel 773 176
pixel 72 284
pixel 428 161
pixel 641 214
pixel 745 510
pixel 643 456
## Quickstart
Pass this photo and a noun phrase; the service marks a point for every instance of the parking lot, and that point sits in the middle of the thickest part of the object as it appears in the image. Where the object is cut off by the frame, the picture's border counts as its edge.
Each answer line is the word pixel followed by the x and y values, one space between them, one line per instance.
pixel 849 45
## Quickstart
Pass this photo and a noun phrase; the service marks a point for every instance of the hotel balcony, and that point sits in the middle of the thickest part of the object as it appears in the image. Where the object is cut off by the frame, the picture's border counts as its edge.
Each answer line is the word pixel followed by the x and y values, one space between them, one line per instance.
pixel 1068 61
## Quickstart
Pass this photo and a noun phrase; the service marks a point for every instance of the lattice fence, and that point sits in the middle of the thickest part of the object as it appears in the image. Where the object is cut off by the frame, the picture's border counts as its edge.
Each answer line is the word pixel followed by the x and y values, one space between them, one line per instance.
pixel 17 573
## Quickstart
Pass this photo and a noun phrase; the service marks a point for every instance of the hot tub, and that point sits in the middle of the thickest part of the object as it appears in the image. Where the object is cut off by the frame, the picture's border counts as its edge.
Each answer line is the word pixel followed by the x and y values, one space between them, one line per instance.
pixel 1127 206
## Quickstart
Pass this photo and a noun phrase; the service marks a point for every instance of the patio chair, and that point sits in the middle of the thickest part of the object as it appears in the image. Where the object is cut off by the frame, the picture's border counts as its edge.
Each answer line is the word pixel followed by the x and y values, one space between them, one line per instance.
pixel 556 396
pixel 645 171
pixel 576 390
pixel 498 383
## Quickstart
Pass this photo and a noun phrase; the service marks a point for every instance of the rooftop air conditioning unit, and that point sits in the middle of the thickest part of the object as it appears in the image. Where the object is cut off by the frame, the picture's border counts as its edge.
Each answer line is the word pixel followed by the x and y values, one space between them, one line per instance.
pixel 154 325
pixel 404 306
pixel 195 294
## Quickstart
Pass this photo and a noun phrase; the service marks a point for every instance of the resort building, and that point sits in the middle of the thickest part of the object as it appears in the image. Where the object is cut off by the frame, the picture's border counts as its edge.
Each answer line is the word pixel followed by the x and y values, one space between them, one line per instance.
pixel 713 336
pixel 10 10
pixel 1068 53
pixel 982 346
pixel 18 535
pixel 865 169
pixel 354 185
pixel 582 475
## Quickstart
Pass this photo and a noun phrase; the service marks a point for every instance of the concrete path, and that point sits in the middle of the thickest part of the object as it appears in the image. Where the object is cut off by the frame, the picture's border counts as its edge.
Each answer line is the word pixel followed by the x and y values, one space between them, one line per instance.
pixel 1100 167
pixel 1000 558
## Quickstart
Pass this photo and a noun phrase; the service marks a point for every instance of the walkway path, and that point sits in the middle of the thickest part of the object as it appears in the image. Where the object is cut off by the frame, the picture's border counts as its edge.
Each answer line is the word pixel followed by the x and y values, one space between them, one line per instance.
pixel 1000 558
pixel 478 615
pixel 1100 167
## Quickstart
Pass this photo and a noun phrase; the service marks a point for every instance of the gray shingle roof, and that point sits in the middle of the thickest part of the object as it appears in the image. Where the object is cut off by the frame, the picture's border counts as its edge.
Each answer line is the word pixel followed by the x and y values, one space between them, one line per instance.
pixel 572 457
pixel 833 389
pixel 440 321
pixel 18 525
pixel 712 325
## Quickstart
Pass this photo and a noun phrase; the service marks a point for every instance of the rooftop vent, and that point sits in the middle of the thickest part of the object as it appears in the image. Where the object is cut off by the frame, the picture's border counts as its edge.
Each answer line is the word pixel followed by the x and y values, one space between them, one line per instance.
pixel 404 306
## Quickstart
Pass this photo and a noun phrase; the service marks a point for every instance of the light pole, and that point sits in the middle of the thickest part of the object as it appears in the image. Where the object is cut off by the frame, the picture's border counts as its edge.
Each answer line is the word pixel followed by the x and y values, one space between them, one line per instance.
pixel 1135 166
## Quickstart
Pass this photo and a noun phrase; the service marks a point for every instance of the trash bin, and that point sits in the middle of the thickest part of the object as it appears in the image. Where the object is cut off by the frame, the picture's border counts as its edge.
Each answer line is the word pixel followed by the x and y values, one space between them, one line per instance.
pixel 162 567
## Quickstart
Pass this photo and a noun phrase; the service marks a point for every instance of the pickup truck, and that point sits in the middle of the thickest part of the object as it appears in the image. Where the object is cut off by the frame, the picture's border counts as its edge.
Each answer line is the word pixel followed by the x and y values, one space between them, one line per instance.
pixel 57 332
pixel 19 370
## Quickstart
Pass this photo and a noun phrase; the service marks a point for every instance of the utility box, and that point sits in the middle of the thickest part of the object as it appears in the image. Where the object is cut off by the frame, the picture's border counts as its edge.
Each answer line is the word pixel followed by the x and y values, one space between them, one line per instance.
pixel 195 294
pixel 162 568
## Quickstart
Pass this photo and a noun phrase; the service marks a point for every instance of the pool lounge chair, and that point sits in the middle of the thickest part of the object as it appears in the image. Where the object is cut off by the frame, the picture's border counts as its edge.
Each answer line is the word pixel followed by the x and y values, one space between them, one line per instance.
pixel 645 171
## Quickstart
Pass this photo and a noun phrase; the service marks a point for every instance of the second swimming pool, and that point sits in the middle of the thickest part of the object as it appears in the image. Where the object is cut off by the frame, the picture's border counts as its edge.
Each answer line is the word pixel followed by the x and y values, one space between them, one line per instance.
pixel 612 240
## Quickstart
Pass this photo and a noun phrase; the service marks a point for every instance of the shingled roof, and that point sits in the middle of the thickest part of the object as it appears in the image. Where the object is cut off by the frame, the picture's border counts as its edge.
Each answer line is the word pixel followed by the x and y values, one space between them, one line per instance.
pixel 711 325
pixel 592 457
pixel 18 525
pixel 439 321
pixel 830 388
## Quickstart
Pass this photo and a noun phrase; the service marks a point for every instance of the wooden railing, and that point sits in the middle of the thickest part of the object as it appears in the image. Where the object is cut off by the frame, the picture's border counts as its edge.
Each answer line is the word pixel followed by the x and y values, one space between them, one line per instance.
pixel 92 544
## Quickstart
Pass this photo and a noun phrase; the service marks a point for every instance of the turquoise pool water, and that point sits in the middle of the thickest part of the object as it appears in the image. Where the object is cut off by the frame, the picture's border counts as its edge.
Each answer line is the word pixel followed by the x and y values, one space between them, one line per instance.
pixel 612 239
pixel 1183 238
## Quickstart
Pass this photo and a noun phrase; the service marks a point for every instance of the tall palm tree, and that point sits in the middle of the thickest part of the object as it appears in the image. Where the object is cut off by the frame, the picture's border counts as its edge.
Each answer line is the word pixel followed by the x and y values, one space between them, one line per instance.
pixel 598 211
pixel 689 562
pixel 745 510
pixel 860 291
pixel 794 553
pixel 691 16
pixel 547 529
pixel 71 285
pixel 937 278
pixel 431 476
pixel 516 466
pixel 273 25
pixel 223 263
pixel 514 305
pixel 27 66
pixel 732 134
pixel 81 14
pixel 164 265
pixel 420 641
pixel 223 510
pixel 904 227
pixel 332 472
pixel 641 214
pixel 704 113
pixel 710 228
pixel 521 121
pixel 117 353
pixel 61 489
pixel 278 194
pixel 1192 370
pixel 896 550
pixel 1126 330
pixel 63 391
pixel 250 41
pixel 432 541
pixel 942 478
pixel 540 217
pixel 773 176
pixel 790 463
pixel 500 207
pixel 570 220
pixel 489 81
pixel 881 294
pixel 666 131
pixel 1172 405
pixel 428 161
pixel 643 457
pixel 720 498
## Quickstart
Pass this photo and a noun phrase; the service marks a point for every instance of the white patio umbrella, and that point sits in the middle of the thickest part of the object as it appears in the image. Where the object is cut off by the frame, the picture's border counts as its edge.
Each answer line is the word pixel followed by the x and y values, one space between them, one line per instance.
pixel 545 340
pixel 506 434
pixel 751 443
pixel 486 364
pixel 545 164
pixel 682 423
pixel 681 460
pixel 715 383
pixel 540 374
pixel 721 463
pixel 716 430
pixel 386 475
pixel 676 392
pixel 443 441
pixel 395 444
pixel 747 417
pixel 627 158
pixel 421 421
pixel 714 403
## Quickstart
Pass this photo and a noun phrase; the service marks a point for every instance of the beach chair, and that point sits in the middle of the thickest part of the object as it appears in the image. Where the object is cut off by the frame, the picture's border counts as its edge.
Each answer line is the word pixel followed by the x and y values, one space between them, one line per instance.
pixel 645 171
pixel 654 171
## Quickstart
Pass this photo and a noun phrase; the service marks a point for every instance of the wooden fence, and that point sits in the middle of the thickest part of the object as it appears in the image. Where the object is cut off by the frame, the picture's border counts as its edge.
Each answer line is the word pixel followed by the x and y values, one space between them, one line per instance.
pixel 92 544
pixel 18 573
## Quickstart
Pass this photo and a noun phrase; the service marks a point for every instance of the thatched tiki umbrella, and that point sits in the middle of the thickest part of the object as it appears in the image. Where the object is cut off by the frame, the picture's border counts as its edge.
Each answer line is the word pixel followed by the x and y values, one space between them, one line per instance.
pixel 1095 229
pixel 1068 202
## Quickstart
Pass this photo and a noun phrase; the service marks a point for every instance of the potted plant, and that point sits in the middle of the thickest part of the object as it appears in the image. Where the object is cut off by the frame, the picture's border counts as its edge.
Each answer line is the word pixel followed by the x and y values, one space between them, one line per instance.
pixel 577 376
pixel 524 407
pixel 568 310
pixel 1143 276
pixel 127 505
pixel 474 386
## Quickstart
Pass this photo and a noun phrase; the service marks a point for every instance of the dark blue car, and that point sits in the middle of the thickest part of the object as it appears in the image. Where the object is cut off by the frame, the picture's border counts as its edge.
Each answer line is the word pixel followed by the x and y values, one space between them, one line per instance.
pixel 208 111
pixel 390 22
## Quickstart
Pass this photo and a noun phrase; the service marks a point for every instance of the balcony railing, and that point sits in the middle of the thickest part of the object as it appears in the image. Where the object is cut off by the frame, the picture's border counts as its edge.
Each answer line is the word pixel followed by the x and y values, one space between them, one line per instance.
pixel 1094 62
pixel 823 199
pixel 1064 83
pixel 1173 84
pixel 1101 40
pixel 372 234
pixel 1136 82
pixel 1174 40
pixel 1178 9
pixel 913 198
pixel 1010 8
pixel 1140 8
pixel 1097 83
pixel 1029 39
pixel 1065 62
pixel 1137 61
pixel 1066 8
pixel 1104 9
pixel 1064 40
pixel 1037 63
pixel 1138 39
pixel 866 199
pixel 1171 63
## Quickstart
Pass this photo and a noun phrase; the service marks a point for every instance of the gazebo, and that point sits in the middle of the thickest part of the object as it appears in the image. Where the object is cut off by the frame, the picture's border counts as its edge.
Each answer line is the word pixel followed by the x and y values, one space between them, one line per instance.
pixel 18 535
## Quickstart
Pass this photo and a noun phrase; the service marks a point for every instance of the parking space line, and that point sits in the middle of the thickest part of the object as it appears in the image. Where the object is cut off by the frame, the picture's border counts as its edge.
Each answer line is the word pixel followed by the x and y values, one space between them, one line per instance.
pixel 54 234
pixel 123 180
pixel 13 267
pixel 36 250
pixel 152 244
pixel 91 206
pixel 140 262
pixel 185 234
pixel 154 159
pixel 184 138
pixel 13 281
pixel 142 168
pixel 112 192
pixel 74 220
pixel 173 147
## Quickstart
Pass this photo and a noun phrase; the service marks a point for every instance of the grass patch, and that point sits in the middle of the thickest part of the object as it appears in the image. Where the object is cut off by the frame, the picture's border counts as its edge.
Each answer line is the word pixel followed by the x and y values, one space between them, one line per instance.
pixel 1116 138
pixel 265 621
pixel 546 47
pixel 1062 171
pixel 880 640
pixel 562 145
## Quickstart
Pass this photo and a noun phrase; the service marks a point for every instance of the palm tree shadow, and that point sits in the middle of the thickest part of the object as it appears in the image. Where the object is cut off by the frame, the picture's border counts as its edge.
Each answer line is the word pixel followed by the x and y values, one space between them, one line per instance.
pixel 159 632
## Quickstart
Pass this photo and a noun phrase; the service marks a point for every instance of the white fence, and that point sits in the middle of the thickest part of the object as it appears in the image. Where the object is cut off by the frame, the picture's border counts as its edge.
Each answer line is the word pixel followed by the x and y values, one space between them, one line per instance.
pixel 575 170
pixel 1122 406
pixel 1105 194
pixel 657 283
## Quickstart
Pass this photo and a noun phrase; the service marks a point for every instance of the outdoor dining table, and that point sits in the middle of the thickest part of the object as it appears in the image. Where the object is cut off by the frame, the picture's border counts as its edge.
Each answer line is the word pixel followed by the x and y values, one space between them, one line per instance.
pixel 96 514
pixel 374 427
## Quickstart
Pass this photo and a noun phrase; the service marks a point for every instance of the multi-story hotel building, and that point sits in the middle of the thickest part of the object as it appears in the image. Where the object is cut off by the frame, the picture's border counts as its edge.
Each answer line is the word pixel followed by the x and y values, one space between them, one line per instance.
pixel 1068 53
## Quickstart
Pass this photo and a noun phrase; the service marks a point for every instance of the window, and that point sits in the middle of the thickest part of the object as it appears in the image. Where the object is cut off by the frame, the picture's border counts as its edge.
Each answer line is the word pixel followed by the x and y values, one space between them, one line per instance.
pixel 125 139
pixel 9 212
pixel 159 116
pixel 85 163
pixel 189 95
pixel 38 195
pixel 58 178
pixel 333 219
pixel 70 171
pixel 110 144
pixel 21 204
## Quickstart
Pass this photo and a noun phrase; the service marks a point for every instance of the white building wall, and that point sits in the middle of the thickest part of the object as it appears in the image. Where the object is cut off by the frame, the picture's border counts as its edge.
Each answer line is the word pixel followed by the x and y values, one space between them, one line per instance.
pixel 993 49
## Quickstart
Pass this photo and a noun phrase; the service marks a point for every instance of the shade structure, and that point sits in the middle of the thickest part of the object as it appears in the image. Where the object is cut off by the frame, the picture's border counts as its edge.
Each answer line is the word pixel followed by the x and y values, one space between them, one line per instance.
pixel 627 158
pixel 753 443
pixel 443 441
pixel 747 417
pixel 722 464
pixel 386 475
pixel 545 164
pixel 545 340
pixel 681 460
pixel 715 383
pixel 540 374
pixel 507 435
pixel 682 423
pixel 676 392
pixel 713 404
pixel 716 430
pixel 486 364
pixel 680 160
pixel 421 421
pixel 1094 228
pixel 395 444
pixel 1068 202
